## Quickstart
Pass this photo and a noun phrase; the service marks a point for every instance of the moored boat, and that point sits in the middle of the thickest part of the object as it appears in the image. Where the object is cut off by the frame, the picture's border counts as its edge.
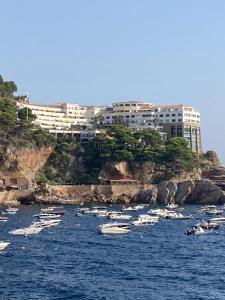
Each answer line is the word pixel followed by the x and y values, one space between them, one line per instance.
pixel 114 228
pixel 3 245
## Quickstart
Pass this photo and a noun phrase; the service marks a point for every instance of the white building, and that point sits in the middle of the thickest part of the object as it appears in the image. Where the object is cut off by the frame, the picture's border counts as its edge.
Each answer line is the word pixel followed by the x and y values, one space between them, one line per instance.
pixel 63 117
pixel 174 120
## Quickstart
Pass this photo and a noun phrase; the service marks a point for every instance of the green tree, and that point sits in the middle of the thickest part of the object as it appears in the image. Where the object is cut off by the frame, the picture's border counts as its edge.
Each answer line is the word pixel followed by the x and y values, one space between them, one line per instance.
pixel 179 155
pixel 26 117
pixel 7 114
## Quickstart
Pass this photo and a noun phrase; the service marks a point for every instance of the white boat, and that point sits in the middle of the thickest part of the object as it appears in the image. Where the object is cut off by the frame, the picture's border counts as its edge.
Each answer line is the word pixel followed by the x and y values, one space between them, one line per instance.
pixel 199 231
pixel 214 212
pixel 163 213
pixel 46 223
pixel 119 216
pixel 103 213
pixel 27 230
pixel 179 216
pixel 51 208
pixel 3 219
pixel 208 225
pixel 10 211
pixel 222 219
pixel 171 205
pixel 3 245
pixel 130 208
pixel 46 216
pixel 114 228
pixel 143 220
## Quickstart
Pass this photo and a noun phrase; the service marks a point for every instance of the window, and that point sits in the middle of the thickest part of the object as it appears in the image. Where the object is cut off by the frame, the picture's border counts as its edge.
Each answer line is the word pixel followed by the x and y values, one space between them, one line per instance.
pixel 161 116
pixel 127 104
pixel 167 115
pixel 173 120
pixel 173 115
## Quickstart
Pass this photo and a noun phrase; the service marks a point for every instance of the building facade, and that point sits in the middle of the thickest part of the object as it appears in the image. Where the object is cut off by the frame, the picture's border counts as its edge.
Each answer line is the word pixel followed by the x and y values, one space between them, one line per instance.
pixel 170 120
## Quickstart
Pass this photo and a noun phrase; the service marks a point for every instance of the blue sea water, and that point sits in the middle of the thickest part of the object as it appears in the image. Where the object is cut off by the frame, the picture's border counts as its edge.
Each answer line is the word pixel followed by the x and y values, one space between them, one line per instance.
pixel 73 261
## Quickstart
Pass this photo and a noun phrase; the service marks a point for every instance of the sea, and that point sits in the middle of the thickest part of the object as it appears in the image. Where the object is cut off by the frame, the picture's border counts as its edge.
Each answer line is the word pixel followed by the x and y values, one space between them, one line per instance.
pixel 74 261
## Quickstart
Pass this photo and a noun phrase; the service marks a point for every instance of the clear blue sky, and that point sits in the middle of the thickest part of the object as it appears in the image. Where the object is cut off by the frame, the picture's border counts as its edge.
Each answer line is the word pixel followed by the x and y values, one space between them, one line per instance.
pixel 99 51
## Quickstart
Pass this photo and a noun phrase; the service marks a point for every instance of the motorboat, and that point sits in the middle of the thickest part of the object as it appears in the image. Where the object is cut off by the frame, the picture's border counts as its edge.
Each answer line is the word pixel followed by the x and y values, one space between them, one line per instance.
pixel 46 216
pixel 214 212
pixel 3 245
pixel 222 219
pixel 208 224
pixel 114 228
pixel 179 216
pixel 171 205
pixel 10 211
pixel 144 220
pixel 3 219
pixel 130 208
pixel 197 230
pixel 53 210
pixel 27 230
pixel 102 213
pixel 119 216
pixel 46 223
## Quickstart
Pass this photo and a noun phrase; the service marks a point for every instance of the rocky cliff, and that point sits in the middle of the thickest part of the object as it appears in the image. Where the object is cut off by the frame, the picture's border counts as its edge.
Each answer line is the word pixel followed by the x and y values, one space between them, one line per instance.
pixel 24 162
pixel 182 192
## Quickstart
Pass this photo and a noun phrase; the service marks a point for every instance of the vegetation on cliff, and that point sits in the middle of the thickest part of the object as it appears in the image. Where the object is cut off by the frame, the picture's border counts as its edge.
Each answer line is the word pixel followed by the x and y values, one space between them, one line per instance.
pixel 71 163
pixel 16 128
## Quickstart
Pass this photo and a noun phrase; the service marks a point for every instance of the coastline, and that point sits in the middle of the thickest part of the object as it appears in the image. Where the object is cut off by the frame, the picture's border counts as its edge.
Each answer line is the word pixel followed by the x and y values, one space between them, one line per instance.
pixel 202 191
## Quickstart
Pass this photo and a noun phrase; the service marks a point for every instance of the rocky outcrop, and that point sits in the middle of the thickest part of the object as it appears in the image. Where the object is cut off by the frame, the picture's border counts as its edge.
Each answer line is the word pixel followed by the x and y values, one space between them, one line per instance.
pixel 184 192
pixel 24 162
pixel 145 173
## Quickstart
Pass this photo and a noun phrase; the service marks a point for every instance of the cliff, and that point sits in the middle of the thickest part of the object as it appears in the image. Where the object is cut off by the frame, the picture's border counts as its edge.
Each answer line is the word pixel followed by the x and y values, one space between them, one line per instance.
pixel 23 163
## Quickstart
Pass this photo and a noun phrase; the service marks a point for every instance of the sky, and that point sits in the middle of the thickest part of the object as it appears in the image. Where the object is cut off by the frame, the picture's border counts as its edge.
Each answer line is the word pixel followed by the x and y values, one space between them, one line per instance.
pixel 100 51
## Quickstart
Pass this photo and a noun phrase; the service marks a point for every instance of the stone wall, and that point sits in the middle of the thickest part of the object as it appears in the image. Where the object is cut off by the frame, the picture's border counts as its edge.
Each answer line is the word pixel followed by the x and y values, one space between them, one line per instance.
pixel 11 198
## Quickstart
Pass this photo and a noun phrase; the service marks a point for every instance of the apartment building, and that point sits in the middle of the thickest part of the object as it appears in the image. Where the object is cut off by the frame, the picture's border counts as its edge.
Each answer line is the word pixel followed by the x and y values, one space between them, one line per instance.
pixel 169 120
pixel 63 117
pixel 180 121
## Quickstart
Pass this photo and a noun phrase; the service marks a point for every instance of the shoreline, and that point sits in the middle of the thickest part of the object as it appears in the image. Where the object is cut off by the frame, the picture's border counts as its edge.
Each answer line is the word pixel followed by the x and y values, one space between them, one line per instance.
pixel 180 192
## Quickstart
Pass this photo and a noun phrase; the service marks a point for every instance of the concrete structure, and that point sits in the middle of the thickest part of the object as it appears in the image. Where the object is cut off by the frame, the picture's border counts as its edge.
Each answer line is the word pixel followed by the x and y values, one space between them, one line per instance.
pixel 74 119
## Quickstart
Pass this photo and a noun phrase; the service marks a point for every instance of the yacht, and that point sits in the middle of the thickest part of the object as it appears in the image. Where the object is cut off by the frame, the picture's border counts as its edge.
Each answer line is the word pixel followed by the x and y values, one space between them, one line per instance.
pixel 114 228
pixel 53 210
pixel 27 230
pixel 46 223
pixel 119 216
pixel 143 220
pixel 3 219
pixel 3 245
pixel 46 216
pixel 179 216
pixel 214 212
